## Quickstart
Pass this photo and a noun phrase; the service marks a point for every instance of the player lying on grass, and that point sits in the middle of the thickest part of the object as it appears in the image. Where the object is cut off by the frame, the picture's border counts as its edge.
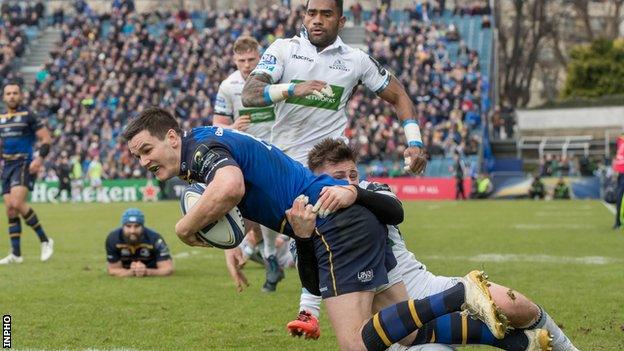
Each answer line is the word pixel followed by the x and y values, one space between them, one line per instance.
pixel 350 245
pixel 335 158
pixel 136 251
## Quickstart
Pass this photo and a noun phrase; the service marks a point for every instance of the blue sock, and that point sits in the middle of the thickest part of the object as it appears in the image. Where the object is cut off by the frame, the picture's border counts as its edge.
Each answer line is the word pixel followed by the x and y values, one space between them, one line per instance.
pixel 31 219
pixel 15 231
pixel 394 323
pixel 455 329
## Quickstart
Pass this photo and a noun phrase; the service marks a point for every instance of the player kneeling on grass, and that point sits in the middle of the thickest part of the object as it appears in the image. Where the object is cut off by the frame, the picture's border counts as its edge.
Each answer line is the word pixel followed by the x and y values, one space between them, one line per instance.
pixel 136 251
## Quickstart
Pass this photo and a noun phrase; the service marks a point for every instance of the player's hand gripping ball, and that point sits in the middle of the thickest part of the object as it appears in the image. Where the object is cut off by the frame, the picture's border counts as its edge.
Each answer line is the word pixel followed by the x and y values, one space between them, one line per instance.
pixel 225 233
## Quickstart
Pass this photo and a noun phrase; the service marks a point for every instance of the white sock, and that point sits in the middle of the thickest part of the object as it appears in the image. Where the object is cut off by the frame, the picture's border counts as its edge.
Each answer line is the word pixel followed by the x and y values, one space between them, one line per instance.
pixel 309 302
pixel 268 237
pixel 560 340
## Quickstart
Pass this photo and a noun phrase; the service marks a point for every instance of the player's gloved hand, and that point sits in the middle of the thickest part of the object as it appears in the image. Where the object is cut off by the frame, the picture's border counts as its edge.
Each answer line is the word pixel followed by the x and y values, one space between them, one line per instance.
pixel 334 198
pixel 415 160
pixel 313 87
pixel 302 217
pixel 242 123
pixel 35 165
pixel 234 261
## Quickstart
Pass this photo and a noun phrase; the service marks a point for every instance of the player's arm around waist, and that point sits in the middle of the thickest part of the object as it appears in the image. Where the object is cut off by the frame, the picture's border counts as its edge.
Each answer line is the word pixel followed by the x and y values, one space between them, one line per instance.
pixel 221 195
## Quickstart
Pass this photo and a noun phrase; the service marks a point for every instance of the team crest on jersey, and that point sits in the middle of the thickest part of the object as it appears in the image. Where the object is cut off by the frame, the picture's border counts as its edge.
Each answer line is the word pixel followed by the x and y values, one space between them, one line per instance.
pixel 125 252
pixel 144 252
pixel 339 65
pixel 268 59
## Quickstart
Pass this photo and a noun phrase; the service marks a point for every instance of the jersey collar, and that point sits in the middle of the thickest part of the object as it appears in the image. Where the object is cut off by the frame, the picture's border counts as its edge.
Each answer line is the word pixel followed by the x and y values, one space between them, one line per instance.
pixel 184 166
pixel 338 44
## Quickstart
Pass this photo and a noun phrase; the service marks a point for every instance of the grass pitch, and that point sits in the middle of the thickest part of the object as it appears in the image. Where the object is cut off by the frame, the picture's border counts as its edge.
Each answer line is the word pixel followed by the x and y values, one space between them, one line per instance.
pixel 563 255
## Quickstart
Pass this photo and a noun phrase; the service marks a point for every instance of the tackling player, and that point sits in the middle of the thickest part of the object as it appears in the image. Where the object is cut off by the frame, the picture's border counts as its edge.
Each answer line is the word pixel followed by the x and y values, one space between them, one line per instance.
pixel 19 131
pixel 229 113
pixel 310 79
pixel 136 251
pixel 350 245
pixel 335 158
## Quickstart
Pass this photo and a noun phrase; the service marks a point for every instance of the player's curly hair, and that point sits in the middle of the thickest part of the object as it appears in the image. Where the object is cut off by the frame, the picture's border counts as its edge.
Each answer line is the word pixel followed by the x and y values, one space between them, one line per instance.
pixel 329 151
pixel 157 121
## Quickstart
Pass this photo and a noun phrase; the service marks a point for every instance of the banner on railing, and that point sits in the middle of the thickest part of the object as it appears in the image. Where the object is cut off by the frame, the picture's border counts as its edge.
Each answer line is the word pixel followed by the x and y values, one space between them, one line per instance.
pixel 125 190
pixel 423 188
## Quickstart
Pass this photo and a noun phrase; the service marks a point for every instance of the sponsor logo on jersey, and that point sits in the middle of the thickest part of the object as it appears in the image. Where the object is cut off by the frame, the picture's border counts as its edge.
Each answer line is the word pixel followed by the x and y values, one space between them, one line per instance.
pixel 366 276
pixel 301 57
pixel 258 114
pixel 328 103
pixel 339 65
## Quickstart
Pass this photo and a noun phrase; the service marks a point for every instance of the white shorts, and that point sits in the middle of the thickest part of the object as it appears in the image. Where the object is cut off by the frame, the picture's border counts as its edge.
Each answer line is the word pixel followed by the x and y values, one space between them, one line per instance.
pixel 420 283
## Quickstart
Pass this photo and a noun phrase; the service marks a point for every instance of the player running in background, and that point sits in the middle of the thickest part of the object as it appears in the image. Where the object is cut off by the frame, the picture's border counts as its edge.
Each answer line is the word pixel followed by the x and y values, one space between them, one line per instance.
pixel 19 130
pixel 350 245
pixel 310 79
pixel 230 113
pixel 335 158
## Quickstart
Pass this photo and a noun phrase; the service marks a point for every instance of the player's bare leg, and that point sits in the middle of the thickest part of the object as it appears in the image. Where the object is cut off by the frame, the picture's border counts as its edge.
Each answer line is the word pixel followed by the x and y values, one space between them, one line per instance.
pixel 19 195
pixel 522 313
pixel 15 232
pixel 348 313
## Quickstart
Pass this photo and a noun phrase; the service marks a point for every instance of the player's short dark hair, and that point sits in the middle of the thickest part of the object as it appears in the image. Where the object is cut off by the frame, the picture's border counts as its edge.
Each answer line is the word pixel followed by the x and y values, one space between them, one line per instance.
pixel 157 121
pixel 329 151
pixel 339 6
pixel 12 82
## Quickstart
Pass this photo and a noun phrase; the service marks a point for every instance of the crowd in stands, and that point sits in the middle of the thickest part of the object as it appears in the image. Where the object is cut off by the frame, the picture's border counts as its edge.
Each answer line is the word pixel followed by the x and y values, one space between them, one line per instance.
pixel 15 18
pixel 447 93
pixel 110 67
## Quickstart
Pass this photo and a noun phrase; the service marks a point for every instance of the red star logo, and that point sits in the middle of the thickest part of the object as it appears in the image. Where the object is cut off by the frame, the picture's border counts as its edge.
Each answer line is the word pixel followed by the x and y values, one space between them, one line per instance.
pixel 149 191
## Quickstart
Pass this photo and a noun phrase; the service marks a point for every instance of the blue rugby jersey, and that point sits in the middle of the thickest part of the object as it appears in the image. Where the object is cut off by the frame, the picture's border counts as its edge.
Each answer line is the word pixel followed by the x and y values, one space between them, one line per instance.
pixel 151 249
pixel 17 131
pixel 272 179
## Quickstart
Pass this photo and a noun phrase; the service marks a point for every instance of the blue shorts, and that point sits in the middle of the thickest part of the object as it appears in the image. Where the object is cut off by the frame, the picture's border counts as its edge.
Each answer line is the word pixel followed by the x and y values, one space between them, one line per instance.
pixel 16 173
pixel 352 252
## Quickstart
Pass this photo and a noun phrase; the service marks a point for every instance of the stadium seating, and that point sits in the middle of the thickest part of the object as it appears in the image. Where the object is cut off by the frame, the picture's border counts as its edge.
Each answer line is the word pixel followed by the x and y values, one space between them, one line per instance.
pixel 111 66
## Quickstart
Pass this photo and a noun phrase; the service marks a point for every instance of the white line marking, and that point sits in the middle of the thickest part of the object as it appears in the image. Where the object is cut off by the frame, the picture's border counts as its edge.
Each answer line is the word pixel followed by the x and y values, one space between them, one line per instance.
pixel 609 207
pixel 586 260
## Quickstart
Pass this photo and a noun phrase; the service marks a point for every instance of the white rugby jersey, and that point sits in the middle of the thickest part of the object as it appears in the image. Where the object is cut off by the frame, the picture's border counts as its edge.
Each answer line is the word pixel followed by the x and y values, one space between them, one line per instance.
pixel 301 122
pixel 229 103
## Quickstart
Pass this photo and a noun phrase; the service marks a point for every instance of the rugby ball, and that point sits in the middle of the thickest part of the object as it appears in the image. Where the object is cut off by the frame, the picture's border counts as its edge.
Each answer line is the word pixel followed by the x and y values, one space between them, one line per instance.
pixel 225 233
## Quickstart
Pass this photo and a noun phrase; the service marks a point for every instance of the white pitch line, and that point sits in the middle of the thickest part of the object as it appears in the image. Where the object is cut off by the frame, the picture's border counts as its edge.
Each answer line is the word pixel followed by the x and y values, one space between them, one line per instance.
pixel 586 260
pixel 609 207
